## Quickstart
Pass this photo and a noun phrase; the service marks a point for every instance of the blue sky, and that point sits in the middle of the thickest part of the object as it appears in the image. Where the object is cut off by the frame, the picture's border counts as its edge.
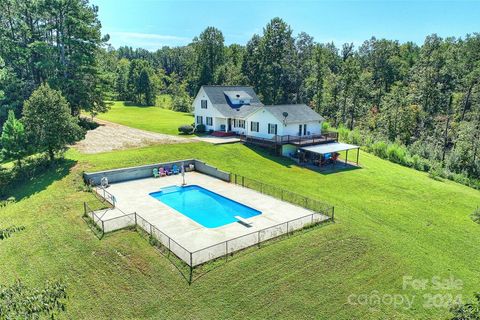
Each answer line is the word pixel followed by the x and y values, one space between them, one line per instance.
pixel 151 24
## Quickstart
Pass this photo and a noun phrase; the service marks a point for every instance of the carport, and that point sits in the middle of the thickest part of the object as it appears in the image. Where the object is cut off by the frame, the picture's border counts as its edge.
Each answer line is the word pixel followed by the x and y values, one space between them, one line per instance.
pixel 329 151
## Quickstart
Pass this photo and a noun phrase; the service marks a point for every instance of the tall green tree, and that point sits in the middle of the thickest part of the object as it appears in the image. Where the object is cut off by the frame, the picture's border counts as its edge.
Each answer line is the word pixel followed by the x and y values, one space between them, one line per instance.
pixel 277 84
pixel 210 51
pixel 13 139
pixel 53 41
pixel 49 125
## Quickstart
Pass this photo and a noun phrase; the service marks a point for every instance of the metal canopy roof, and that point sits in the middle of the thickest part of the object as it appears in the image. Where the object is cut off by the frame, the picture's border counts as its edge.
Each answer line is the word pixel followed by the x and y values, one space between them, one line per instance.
pixel 330 147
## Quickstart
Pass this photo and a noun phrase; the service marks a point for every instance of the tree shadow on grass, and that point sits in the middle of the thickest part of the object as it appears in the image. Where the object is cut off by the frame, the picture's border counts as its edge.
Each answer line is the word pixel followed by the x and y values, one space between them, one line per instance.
pixel 137 105
pixel 41 178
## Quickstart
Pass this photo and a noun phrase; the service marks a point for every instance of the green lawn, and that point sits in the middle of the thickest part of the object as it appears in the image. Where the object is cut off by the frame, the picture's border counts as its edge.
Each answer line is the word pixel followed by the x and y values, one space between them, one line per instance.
pixel 391 221
pixel 154 119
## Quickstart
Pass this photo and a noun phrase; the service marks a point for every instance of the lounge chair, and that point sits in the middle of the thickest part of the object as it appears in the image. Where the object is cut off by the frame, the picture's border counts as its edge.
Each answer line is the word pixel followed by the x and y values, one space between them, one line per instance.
pixel 155 173
pixel 162 172
pixel 175 169
pixel 168 171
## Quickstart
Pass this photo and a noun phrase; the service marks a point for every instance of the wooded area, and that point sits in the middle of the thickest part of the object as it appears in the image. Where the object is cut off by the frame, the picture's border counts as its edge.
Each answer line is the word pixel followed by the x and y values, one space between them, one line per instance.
pixel 423 98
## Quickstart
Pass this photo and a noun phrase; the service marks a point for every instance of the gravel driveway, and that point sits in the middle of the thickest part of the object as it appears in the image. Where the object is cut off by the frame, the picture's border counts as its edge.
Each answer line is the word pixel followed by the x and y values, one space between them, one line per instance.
pixel 112 136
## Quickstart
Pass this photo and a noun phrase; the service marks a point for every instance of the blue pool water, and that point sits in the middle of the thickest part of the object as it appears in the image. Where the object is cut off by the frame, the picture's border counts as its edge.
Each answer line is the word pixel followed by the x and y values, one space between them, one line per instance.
pixel 203 206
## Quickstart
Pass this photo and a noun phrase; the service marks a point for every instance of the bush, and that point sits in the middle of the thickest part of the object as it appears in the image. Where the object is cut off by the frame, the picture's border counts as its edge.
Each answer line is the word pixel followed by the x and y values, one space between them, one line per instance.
pixel 21 302
pixel 476 215
pixel 355 137
pixel 201 128
pixel 326 126
pixel 379 149
pixel 182 103
pixel 185 129
pixel 87 124
pixel 435 171
pixel 467 311
pixel 343 133
pixel 397 154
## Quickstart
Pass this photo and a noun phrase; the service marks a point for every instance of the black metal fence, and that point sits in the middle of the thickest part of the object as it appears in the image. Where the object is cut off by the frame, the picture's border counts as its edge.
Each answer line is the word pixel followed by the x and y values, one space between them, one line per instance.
pixel 317 206
pixel 185 260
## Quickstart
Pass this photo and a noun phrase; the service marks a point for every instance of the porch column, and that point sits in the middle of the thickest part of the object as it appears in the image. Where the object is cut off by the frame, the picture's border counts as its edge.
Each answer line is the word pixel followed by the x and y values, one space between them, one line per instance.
pixel 226 124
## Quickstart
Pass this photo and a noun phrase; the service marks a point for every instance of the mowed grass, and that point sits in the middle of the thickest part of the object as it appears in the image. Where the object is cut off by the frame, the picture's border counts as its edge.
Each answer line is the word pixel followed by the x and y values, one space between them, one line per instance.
pixel 391 222
pixel 156 119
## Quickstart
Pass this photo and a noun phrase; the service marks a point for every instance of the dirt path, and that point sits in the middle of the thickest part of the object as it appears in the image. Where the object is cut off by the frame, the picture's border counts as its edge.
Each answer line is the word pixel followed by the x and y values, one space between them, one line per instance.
pixel 112 136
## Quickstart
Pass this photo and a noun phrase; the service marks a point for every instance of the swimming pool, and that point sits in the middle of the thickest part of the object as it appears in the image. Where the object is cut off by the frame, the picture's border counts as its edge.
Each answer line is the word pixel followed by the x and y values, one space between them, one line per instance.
pixel 205 207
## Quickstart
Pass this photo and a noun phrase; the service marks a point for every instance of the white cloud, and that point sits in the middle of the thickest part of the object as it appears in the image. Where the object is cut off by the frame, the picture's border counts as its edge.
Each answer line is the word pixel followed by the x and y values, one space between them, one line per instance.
pixel 149 41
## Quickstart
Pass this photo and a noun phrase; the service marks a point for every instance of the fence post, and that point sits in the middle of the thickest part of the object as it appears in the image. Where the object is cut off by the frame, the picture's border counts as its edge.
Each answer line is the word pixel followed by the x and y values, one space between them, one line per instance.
pixel 168 246
pixel 191 269
pixel 135 219
pixel 333 214
pixel 243 181
pixel 312 219
pixel 103 228
pixel 84 208
pixel 151 232
pixel 282 195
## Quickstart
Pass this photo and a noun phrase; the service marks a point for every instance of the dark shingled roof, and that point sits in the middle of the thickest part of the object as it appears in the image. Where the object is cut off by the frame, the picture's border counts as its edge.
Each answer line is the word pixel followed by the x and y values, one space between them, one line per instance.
pixel 296 113
pixel 220 101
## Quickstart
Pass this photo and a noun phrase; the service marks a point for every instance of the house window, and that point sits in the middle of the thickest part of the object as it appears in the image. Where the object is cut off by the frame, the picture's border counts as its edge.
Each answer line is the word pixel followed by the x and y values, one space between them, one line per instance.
pixel 199 120
pixel 302 128
pixel 254 126
pixel 241 124
pixel 209 121
pixel 272 128
pixel 204 104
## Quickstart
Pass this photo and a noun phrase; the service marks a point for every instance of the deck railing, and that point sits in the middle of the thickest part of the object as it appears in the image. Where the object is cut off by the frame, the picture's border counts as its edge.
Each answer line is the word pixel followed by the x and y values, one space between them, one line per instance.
pixel 291 139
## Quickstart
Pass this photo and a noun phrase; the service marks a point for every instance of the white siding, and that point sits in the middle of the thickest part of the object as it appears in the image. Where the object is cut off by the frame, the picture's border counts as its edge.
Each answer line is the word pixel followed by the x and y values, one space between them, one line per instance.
pixel 204 113
pixel 314 127
pixel 263 118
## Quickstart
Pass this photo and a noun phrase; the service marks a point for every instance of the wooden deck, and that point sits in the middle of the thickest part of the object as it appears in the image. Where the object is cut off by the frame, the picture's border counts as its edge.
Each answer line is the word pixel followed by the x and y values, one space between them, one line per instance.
pixel 300 141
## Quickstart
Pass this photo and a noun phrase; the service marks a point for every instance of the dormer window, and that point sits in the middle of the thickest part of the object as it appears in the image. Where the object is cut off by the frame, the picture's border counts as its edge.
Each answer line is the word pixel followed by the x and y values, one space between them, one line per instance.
pixel 238 98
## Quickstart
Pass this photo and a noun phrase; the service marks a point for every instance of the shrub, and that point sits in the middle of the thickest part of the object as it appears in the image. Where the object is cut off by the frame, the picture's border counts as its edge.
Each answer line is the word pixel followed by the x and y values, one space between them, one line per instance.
pixel 379 149
pixel 397 154
pixel 355 137
pixel 476 215
pixel 87 124
pixel 6 233
pixel 342 133
pixel 20 302
pixel 326 126
pixel 185 129
pixel 200 128
pixel 435 171
pixel 182 103
pixel 467 311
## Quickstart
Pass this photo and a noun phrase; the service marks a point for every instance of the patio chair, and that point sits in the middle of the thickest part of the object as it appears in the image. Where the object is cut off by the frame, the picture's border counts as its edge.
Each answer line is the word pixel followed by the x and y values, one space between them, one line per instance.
pixel 162 172
pixel 175 169
pixel 168 171
pixel 155 173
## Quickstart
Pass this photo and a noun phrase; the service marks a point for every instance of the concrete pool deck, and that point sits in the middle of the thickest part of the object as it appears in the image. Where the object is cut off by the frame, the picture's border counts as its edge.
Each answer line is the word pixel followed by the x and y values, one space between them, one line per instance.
pixel 133 196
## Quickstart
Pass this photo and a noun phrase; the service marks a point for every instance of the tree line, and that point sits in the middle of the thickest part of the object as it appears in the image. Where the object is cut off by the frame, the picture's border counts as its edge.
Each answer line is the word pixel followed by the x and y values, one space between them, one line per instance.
pixel 425 97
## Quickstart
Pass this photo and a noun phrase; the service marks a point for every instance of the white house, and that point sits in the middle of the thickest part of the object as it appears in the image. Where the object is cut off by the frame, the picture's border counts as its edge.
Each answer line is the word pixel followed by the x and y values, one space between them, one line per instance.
pixel 238 109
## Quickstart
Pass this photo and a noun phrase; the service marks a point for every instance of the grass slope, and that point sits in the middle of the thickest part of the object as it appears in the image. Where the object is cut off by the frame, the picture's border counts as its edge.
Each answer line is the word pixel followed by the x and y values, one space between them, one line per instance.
pixel 391 221
pixel 154 119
